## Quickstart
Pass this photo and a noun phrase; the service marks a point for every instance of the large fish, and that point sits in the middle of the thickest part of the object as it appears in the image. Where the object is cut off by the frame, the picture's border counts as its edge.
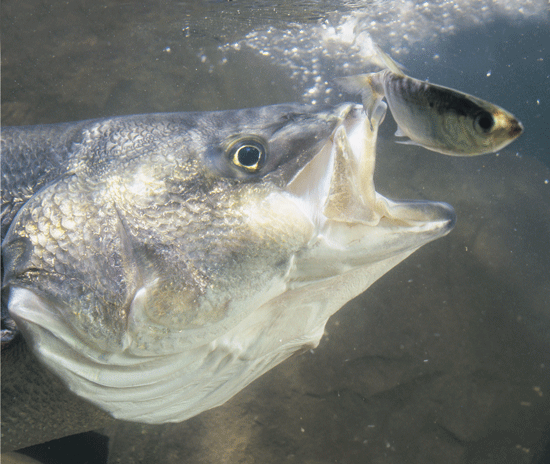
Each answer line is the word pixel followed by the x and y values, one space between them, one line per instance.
pixel 157 264
pixel 435 117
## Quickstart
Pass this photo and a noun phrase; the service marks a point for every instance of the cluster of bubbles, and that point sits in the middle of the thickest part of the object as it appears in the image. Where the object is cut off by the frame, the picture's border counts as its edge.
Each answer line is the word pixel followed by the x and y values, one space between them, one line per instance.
pixel 342 43
pixel 311 53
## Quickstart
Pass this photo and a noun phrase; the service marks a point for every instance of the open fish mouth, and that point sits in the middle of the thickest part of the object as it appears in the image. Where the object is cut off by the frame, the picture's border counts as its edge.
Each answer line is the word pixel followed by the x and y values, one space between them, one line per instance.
pixel 336 190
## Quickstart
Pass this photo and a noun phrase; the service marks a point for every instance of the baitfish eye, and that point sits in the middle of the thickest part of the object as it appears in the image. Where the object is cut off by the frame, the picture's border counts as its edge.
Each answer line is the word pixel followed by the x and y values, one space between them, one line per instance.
pixel 484 122
pixel 247 154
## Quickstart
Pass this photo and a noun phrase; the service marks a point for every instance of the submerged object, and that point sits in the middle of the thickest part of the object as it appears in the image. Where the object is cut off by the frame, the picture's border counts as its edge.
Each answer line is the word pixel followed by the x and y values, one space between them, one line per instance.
pixel 159 263
pixel 435 117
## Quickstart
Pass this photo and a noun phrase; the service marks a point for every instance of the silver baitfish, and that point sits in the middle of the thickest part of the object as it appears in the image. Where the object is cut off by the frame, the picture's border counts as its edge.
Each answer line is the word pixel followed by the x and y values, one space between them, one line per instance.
pixel 157 264
pixel 434 117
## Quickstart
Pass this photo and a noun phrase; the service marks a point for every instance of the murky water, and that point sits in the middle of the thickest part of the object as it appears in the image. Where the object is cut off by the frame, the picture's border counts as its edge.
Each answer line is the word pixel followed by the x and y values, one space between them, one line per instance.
pixel 444 360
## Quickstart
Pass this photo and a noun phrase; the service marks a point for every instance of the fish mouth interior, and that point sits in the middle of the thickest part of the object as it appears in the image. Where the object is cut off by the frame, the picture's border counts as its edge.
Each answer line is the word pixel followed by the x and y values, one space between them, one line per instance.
pixel 336 190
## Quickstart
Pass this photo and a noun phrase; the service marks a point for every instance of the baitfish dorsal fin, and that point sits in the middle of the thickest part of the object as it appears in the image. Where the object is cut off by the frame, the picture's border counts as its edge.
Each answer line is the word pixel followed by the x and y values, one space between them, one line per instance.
pixel 389 62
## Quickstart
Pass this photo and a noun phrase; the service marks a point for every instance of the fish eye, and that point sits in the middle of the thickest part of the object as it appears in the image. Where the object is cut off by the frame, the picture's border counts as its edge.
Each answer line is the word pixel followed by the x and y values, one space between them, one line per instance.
pixel 247 154
pixel 484 122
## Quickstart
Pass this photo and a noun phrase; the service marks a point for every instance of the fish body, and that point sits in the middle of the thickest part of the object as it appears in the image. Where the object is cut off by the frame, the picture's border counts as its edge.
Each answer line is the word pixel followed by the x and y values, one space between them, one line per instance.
pixel 157 264
pixel 435 117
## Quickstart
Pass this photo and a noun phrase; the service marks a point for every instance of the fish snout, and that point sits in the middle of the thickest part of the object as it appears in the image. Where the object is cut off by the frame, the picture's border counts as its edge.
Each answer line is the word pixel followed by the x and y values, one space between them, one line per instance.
pixel 516 128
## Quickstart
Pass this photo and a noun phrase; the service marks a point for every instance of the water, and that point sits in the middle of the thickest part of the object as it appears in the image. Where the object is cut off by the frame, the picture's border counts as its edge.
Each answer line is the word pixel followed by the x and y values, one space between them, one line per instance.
pixel 444 360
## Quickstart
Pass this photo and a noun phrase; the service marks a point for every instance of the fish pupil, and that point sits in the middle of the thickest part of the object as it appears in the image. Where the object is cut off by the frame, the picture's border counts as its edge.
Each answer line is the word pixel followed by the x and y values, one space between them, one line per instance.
pixel 248 153
pixel 485 121
pixel 248 156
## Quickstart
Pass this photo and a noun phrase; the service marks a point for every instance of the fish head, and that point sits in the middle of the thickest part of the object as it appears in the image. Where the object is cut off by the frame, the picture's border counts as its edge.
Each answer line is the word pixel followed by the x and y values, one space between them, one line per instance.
pixel 492 127
pixel 460 124
pixel 181 256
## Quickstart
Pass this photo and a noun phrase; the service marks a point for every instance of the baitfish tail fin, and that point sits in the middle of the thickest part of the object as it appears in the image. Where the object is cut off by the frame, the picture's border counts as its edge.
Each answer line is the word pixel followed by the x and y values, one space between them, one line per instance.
pixel 368 86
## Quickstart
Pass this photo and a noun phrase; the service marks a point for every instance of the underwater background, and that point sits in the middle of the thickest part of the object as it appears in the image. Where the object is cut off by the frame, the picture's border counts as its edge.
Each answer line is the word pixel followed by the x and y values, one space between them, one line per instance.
pixel 446 359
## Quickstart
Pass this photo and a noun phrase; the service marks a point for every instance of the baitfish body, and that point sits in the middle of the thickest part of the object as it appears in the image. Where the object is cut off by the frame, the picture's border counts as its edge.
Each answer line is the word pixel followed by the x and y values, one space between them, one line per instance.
pixel 157 264
pixel 435 117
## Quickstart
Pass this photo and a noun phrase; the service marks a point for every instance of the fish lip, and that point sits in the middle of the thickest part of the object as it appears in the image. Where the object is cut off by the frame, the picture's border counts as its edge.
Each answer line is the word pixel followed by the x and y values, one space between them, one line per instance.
pixel 452 216
pixel 517 129
pixel 422 212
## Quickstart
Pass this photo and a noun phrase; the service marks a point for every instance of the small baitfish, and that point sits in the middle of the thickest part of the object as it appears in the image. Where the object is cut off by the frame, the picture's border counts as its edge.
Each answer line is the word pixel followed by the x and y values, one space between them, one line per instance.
pixel 435 117
pixel 157 264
